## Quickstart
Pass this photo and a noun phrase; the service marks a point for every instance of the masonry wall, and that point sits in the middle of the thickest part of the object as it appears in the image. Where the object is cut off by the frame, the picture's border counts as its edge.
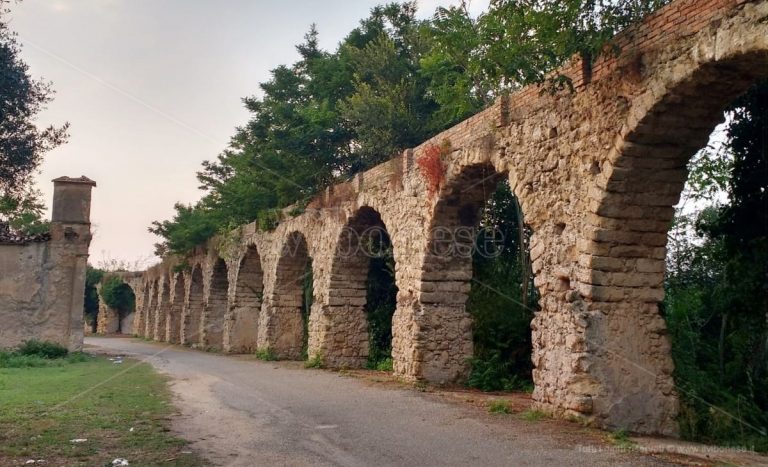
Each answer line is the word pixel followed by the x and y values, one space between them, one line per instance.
pixel 597 172
pixel 42 283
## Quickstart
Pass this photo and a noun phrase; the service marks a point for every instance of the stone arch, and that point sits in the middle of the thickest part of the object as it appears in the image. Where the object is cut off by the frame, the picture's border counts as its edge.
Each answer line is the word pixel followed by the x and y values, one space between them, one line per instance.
pixel 161 310
pixel 173 323
pixel 338 328
pixel 215 307
pixel 438 341
pixel 623 251
pixel 192 316
pixel 241 328
pixel 281 326
pixel 109 320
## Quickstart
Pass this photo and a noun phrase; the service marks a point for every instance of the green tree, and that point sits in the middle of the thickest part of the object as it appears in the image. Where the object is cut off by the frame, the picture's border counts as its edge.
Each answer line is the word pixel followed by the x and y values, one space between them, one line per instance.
pixel 23 143
pixel 23 212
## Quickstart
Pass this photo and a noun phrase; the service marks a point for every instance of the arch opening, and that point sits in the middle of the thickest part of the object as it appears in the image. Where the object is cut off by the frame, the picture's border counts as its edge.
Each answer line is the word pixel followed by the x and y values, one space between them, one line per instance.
pixel 119 307
pixel 477 276
pixel 193 316
pixel 243 324
pixel 216 307
pixel 684 252
pixel 173 328
pixel 281 326
pixel 362 297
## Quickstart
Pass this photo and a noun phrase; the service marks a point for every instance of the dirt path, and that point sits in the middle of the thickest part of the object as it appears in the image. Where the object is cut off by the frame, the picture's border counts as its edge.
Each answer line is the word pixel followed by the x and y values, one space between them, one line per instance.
pixel 238 412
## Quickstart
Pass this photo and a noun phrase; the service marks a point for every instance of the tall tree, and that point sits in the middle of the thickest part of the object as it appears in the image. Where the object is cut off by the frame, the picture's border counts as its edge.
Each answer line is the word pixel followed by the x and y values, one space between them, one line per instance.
pixel 22 142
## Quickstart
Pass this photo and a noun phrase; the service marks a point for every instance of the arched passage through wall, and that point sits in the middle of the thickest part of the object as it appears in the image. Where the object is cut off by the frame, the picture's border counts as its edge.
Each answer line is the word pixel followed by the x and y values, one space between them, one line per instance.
pixel 117 308
pixel 216 307
pixel 354 326
pixel 243 324
pixel 126 312
pixel 281 324
pixel 624 255
pixel 476 228
pixel 194 310
pixel 173 323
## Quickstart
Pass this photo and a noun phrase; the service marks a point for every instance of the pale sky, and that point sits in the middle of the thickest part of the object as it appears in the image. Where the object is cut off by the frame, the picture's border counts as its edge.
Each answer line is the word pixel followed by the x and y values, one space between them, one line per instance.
pixel 151 88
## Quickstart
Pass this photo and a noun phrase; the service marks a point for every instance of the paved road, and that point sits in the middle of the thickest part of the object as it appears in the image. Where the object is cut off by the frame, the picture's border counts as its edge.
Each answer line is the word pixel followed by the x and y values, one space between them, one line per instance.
pixel 239 412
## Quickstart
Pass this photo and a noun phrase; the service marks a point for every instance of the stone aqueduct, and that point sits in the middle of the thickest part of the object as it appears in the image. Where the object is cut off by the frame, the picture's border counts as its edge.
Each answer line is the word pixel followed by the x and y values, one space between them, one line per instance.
pixel 597 172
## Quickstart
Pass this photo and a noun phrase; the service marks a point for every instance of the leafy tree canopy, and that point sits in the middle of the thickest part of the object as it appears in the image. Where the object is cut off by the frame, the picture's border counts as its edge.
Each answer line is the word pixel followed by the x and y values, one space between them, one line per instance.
pixel 22 142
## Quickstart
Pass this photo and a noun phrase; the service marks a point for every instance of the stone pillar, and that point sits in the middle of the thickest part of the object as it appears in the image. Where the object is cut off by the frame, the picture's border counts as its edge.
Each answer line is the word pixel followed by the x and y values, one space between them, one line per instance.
pixel 70 238
pixel 338 333
pixel 281 329
pixel 431 342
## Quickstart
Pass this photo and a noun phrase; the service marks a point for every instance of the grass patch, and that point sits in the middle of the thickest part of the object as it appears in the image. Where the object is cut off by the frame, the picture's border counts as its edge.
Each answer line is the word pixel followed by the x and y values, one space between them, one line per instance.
pixel 499 406
pixel 315 362
pixel 384 365
pixel 37 354
pixel 533 415
pixel 43 408
pixel 621 439
pixel 42 349
pixel 266 354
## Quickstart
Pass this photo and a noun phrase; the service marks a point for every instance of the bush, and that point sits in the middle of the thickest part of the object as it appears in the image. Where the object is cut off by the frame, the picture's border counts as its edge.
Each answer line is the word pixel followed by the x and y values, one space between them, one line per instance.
pixel 494 374
pixel 42 349
pixel 315 362
pixel 385 365
pixel 266 355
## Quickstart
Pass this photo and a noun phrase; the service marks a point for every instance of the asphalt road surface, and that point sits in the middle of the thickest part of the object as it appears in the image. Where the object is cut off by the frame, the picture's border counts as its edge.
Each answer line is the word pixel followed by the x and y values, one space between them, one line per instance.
pixel 241 412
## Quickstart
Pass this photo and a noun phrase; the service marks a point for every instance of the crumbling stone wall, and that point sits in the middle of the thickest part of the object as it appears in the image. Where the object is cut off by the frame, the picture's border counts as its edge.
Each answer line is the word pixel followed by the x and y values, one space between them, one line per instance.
pixel 597 172
pixel 42 282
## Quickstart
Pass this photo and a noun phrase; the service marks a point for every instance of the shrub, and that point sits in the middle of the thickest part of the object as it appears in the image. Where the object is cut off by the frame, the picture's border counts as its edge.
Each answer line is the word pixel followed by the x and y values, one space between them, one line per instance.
pixel 266 355
pixel 315 362
pixel 385 365
pixel 268 219
pixel 42 349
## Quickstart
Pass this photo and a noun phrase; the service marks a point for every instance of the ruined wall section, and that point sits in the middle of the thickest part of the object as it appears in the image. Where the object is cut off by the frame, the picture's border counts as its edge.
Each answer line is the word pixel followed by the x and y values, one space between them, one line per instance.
pixel 42 283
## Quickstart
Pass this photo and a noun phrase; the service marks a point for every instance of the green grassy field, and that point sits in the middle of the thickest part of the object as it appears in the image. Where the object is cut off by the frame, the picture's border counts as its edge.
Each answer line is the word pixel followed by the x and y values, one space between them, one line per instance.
pixel 43 408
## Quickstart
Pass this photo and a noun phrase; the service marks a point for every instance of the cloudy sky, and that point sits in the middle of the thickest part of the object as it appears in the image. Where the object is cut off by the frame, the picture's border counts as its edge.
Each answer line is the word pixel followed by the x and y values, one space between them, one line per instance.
pixel 151 88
